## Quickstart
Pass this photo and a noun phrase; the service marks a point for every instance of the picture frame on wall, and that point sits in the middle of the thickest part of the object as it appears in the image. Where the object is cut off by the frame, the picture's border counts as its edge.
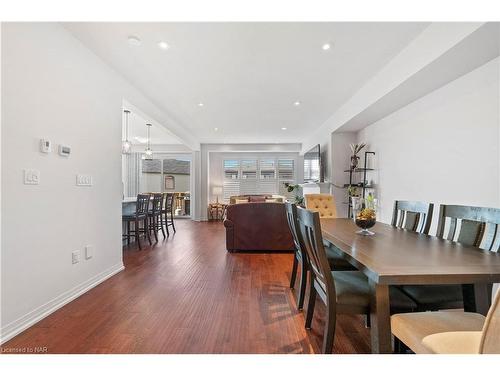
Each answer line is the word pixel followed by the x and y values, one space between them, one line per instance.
pixel 169 182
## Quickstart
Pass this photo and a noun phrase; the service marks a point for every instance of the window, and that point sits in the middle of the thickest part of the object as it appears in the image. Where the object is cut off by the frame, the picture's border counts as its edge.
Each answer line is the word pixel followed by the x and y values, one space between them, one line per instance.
pixel 257 176
pixel 231 169
pixel 169 183
pixel 267 169
pixel 286 173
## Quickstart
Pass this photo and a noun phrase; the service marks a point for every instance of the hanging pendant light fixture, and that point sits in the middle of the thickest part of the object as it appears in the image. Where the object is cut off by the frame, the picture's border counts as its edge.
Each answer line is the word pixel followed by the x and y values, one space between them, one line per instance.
pixel 148 153
pixel 126 145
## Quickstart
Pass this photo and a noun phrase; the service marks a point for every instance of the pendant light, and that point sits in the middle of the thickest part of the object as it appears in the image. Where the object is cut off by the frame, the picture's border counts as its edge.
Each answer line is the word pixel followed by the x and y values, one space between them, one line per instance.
pixel 148 154
pixel 126 145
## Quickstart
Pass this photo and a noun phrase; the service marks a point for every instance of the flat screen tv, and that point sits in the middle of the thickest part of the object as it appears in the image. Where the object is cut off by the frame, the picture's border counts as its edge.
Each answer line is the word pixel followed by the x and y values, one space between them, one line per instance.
pixel 313 171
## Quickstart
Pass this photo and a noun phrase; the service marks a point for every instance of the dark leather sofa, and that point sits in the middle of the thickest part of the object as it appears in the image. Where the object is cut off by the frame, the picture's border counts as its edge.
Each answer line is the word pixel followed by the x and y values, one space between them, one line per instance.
pixel 257 226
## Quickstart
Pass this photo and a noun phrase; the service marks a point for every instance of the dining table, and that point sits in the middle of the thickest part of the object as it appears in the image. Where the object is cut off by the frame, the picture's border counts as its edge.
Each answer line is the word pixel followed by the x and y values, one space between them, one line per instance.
pixel 395 256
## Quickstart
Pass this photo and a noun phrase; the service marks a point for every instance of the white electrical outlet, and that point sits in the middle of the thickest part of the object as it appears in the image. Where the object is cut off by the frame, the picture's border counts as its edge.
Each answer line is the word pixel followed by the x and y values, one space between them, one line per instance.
pixel 31 177
pixel 83 180
pixel 89 251
pixel 75 257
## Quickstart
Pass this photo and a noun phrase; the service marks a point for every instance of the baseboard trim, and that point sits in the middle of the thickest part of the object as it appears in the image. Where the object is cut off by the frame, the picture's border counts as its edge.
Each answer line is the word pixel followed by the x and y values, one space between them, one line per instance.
pixel 19 325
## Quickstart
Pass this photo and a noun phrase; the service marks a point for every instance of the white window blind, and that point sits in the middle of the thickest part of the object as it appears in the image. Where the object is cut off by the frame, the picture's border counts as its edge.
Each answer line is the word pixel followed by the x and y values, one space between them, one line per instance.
pixel 267 169
pixel 231 184
pixel 257 176
pixel 286 173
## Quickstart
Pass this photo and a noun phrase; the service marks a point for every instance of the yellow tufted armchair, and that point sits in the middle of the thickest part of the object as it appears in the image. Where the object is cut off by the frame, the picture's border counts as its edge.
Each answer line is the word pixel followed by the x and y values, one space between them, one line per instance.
pixel 322 203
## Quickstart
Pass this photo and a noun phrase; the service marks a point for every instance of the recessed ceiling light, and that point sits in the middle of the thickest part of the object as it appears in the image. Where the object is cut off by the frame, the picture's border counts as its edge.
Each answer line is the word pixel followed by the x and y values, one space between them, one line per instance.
pixel 216 129
pixel 296 104
pixel 163 45
pixel 200 104
pixel 283 128
pixel 134 41
pixel 326 46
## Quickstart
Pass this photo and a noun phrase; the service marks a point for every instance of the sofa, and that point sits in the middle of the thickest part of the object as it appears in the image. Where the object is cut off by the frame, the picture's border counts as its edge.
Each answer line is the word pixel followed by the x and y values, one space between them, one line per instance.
pixel 248 198
pixel 257 226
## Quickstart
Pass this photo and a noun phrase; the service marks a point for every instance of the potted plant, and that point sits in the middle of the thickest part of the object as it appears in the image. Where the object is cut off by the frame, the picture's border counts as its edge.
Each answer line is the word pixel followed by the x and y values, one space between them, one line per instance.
pixel 356 148
pixel 298 200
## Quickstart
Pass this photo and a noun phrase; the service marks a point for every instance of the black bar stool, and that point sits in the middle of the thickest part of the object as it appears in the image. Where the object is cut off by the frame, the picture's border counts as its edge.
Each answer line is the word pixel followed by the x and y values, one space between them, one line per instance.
pixel 140 214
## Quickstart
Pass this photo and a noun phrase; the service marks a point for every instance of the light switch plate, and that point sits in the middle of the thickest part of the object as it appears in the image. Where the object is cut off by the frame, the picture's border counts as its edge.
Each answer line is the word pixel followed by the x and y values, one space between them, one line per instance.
pixel 83 180
pixel 75 256
pixel 31 177
pixel 89 251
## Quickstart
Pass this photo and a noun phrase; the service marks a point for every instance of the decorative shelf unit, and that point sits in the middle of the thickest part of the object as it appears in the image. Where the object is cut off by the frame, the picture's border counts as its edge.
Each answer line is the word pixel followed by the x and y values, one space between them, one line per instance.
pixel 361 184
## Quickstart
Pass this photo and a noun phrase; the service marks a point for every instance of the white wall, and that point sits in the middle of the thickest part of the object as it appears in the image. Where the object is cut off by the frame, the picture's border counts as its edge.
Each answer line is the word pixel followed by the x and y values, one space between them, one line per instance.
pixel 443 148
pixel 54 87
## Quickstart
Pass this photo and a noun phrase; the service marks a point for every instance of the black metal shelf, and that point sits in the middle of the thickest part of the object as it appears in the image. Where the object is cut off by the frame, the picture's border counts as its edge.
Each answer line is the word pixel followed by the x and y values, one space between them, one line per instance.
pixel 359 170
pixel 363 186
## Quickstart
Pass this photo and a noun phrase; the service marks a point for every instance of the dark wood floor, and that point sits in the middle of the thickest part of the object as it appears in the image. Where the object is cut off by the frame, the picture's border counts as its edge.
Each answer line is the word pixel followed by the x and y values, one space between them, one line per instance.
pixel 188 295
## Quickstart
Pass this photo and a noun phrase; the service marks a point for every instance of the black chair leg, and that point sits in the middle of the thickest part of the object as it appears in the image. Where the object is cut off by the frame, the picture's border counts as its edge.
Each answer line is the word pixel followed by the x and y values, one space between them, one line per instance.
pixel 128 232
pixel 368 321
pixel 146 229
pixel 172 218
pixel 166 225
pixel 310 305
pixel 160 217
pixel 138 234
pixel 329 334
pixel 293 276
pixel 154 227
pixel 303 284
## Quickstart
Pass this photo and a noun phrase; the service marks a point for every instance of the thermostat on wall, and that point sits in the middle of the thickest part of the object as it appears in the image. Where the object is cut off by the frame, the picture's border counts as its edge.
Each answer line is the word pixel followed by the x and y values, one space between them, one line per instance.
pixel 64 150
pixel 45 146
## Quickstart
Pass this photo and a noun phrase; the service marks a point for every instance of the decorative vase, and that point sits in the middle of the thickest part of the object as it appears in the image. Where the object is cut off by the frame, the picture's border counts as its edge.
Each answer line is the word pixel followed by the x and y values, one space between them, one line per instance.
pixel 364 214
pixel 354 161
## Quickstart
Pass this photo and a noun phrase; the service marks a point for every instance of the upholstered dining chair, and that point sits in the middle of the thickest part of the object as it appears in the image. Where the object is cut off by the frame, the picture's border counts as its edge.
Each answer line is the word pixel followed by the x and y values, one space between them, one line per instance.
pixel 345 292
pixel 300 256
pixel 472 226
pixel 324 204
pixel 450 332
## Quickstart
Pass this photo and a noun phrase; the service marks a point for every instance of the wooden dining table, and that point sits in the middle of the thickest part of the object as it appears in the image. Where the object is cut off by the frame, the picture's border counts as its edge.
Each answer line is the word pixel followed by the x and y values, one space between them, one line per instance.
pixel 394 256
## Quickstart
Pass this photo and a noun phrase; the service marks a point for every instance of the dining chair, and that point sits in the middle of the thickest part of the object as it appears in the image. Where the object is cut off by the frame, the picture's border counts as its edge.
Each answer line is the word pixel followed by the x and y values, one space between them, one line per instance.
pixel 417 217
pixel 167 213
pixel 140 215
pixel 324 204
pixel 450 332
pixel 300 256
pixel 471 226
pixel 412 215
pixel 344 292
pixel 155 213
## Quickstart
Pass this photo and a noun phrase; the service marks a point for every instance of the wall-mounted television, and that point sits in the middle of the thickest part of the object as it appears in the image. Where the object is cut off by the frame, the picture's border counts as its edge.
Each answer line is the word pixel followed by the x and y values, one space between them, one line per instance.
pixel 313 171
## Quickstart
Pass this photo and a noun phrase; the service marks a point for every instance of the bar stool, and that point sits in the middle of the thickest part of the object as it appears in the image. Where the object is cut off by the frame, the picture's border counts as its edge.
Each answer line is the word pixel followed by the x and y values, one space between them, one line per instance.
pixel 140 214
pixel 155 213
pixel 168 210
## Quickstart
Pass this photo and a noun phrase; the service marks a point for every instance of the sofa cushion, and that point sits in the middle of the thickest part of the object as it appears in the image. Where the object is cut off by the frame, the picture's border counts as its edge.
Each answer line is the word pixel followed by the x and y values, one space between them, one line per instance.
pixel 257 198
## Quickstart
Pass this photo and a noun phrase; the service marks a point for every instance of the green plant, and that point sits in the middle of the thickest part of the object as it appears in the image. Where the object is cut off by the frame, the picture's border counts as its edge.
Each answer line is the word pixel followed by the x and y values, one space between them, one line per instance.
pixel 357 147
pixel 299 200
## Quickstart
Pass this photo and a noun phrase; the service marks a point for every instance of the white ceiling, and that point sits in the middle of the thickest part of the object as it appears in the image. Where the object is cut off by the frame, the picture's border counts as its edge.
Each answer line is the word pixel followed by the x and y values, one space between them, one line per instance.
pixel 248 75
pixel 137 133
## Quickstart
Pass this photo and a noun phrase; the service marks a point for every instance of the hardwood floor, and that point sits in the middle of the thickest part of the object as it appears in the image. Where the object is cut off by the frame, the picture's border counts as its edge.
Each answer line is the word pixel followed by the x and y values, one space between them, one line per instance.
pixel 188 295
